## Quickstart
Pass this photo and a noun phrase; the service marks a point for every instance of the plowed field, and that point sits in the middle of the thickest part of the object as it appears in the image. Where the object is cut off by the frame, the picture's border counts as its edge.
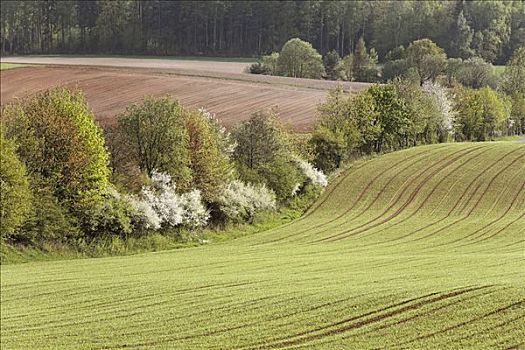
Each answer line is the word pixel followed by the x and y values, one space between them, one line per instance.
pixel 110 84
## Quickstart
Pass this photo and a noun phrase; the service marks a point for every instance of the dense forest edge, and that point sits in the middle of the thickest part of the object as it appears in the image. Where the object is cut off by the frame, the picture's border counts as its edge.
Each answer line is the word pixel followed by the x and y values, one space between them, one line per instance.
pixel 492 30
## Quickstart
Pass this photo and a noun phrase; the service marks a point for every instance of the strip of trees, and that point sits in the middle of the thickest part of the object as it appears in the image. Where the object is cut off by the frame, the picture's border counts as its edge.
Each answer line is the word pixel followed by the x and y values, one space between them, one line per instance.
pixel 488 29
pixel 162 168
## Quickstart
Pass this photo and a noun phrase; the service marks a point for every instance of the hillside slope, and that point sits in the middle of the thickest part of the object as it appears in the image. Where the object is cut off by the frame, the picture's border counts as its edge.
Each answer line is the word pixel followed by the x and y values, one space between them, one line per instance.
pixel 417 249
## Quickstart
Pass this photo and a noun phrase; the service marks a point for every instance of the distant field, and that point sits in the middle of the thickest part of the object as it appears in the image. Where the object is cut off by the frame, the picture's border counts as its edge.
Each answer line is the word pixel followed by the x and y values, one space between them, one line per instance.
pixel 5 66
pixel 221 87
pixel 417 249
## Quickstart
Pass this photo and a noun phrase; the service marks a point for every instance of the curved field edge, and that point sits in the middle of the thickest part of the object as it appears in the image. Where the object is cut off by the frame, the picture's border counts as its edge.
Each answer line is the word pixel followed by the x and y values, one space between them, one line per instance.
pixel 416 249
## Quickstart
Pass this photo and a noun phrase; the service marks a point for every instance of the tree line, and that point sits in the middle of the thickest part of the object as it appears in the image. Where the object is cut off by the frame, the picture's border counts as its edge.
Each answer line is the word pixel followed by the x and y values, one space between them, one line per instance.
pixel 488 29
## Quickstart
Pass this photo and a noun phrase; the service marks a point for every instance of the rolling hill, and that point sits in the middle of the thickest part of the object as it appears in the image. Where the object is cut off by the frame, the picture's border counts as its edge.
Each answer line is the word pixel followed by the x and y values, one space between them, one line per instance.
pixel 417 249
pixel 111 84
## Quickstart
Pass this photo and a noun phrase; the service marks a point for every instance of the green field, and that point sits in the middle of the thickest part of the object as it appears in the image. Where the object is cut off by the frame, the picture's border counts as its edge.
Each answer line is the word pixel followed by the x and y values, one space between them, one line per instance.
pixel 4 66
pixel 417 249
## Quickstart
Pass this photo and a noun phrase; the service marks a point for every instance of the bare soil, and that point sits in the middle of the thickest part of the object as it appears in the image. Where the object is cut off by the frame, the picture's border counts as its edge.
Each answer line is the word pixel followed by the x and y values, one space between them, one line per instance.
pixel 110 84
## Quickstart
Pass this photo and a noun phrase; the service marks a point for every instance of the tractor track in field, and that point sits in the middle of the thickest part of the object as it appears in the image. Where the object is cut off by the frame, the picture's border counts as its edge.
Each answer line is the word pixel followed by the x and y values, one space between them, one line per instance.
pixel 507 210
pixel 477 202
pixel 137 310
pixel 427 198
pixel 455 204
pixel 449 159
pixel 359 321
pixel 360 196
pixel 465 323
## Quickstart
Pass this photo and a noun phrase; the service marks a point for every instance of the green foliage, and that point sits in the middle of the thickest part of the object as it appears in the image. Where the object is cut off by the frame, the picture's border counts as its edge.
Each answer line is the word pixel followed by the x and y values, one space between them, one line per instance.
pixel 476 73
pixel 427 58
pixel 210 165
pixel 481 114
pixel 15 198
pixel 364 63
pixel 334 68
pixel 513 79
pixel 155 133
pixel 61 146
pixel 263 154
pixel 49 221
pixel 299 59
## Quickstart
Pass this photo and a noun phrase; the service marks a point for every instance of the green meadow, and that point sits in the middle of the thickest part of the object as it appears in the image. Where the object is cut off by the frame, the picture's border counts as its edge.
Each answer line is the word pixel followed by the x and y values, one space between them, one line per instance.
pixel 417 249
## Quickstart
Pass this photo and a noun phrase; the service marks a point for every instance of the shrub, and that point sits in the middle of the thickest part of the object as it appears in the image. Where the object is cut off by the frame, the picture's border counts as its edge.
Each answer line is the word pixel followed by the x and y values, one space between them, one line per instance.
pixel 170 208
pixel 15 198
pixel 209 149
pixel 240 201
pixel 48 220
pixel 315 177
pixel 258 68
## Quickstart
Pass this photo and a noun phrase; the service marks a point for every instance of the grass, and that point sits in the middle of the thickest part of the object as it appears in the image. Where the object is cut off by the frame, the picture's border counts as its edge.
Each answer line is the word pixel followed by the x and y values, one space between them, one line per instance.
pixel 418 249
pixel 5 66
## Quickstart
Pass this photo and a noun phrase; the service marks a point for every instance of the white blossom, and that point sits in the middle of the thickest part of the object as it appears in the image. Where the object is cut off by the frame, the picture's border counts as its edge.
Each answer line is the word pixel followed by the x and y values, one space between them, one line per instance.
pixel 241 201
pixel 316 177
pixel 443 102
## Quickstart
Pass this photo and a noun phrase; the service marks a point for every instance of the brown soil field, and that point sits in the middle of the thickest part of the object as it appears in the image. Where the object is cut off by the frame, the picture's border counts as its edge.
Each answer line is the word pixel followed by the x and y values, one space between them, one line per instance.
pixel 110 84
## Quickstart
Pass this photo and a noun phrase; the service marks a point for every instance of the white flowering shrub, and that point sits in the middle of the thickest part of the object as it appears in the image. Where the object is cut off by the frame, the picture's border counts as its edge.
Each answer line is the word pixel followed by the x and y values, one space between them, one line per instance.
pixel 161 206
pixel 195 213
pixel 443 102
pixel 143 215
pixel 228 146
pixel 315 176
pixel 240 201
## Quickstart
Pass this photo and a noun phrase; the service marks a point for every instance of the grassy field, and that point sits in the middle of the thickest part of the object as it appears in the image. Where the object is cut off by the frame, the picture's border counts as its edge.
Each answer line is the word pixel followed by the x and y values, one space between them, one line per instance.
pixel 418 249
pixel 4 66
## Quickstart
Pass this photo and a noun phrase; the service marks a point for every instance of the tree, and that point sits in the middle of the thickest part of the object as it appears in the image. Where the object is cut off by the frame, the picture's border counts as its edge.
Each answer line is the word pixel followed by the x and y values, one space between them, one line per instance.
pixel 481 114
pixel 156 135
pixel 364 63
pixel 476 73
pixel 15 199
pixel 263 155
pixel 427 58
pixel 61 146
pixel 462 38
pixel 333 66
pixel 299 59
pixel 210 165
pixel 513 84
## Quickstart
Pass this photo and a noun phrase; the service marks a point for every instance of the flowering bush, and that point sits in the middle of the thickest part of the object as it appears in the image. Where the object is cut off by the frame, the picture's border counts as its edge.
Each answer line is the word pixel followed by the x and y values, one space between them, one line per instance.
pixel 240 201
pixel 315 176
pixel 161 206
pixel 442 101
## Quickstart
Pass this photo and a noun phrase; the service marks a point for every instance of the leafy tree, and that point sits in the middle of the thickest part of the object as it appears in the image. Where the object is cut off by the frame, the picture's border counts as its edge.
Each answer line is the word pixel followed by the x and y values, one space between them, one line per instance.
pixel 513 84
pixel 393 116
pixel 333 66
pixel 476 73
pixel 263 155
pixel 482 114
pixel 462 38
pixel 210 165
pixel 348 66
pixel 452 69
pixel 155 133
pixel 364 63
pixel 15 199
pixel 427 58
pixel 61 145
pixel 299 59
